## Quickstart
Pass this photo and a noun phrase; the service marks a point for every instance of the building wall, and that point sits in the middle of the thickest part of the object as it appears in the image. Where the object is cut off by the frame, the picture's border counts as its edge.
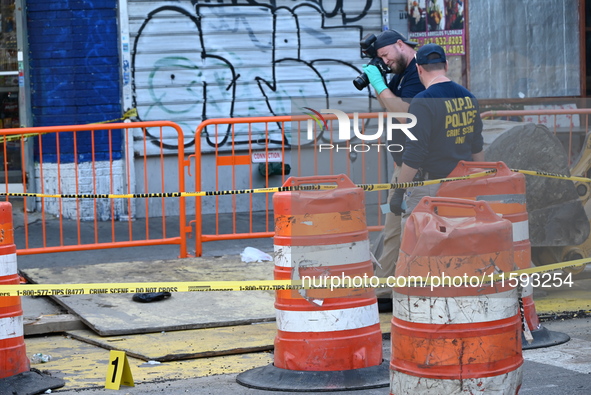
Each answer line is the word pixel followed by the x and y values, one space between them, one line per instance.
pixel 74 79
pixel 524 48
pixel 73 56
pixel 397 15
pixel 197 60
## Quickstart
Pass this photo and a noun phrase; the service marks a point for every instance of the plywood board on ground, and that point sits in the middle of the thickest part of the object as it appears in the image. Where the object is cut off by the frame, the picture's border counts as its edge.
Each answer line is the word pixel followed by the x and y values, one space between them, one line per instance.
pixel 55 323
pixel 195 343
pixel 189 344
pixel 114 314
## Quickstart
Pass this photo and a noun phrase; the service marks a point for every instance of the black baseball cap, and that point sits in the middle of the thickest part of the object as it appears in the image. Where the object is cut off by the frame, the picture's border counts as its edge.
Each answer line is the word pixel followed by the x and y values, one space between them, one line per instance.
pixel 426 50
pixel 391 37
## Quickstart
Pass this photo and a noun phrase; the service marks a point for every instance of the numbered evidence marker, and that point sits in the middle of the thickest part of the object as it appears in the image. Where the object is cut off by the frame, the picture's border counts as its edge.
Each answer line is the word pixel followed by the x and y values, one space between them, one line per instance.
pixel 118 372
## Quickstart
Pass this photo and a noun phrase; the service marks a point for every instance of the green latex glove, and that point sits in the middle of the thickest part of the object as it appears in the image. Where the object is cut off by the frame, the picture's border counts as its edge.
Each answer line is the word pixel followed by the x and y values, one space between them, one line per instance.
pixel 375 77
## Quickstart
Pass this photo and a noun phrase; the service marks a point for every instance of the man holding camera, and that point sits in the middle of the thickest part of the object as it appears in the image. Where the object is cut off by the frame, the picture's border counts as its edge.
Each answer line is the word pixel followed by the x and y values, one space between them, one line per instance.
pixel 448 130
pixel 398 54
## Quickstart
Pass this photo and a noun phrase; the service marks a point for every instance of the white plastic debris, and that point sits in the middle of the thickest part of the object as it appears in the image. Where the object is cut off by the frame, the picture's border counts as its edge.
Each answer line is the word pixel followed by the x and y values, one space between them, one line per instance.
pixel 374 260
pixel 251 254
pixel 153 363
pixel 40 358
pixel 318 302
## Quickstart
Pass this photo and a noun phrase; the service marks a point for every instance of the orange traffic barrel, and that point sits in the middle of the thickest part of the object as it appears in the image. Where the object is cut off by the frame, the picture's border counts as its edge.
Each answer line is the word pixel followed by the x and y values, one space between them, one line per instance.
pixel 13 356
pixel 464 337
pixel 15 374
pixel 326 339
pixel 504 191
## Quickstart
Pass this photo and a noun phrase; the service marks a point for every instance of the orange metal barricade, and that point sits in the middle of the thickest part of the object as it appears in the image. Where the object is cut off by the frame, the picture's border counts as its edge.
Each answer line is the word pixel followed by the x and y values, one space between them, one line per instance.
pixel 74 224
pixel 242 153
pixel 248 222
pixel 234 167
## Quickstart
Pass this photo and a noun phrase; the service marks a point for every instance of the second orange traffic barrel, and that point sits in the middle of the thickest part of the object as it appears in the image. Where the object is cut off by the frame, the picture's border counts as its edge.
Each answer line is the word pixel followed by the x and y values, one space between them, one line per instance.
pixel 464 337
pixel 505 192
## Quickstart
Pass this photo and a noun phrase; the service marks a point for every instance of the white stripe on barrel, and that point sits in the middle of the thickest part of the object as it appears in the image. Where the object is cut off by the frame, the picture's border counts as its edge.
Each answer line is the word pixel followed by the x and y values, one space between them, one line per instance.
pixel 455 310
pixel 507 198
pixel 322 255
pixel 328 320
pixel 503 384
pixel 11 327
pixel 8 265
pixel 520 231
pixel 528 290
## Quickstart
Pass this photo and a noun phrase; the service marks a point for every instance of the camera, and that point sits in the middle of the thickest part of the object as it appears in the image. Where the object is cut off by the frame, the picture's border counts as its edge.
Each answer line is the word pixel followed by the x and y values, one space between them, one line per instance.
pixel 368 49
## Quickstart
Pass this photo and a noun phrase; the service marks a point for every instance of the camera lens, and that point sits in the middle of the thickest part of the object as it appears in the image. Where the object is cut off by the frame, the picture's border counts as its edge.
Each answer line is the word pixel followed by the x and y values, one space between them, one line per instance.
pixel 361 82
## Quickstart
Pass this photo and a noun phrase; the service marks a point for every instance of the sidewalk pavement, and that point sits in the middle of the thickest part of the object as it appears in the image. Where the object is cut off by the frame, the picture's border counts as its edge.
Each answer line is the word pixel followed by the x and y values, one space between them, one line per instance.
pixel 562 369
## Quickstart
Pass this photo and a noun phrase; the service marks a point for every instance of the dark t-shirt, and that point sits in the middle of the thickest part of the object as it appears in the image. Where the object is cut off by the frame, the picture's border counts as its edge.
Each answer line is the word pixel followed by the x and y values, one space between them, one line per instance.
pixel 406 86
pixel 448 129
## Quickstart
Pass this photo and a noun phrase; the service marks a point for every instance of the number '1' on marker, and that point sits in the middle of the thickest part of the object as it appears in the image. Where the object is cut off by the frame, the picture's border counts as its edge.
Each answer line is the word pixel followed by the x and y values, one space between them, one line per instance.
pixel 118 371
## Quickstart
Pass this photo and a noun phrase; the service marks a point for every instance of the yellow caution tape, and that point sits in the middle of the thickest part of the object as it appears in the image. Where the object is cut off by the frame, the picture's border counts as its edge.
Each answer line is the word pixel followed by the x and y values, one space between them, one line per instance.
pixel 312 187
pixel 552 175
pixel 506 278
pixel 132 113
pixel 365 187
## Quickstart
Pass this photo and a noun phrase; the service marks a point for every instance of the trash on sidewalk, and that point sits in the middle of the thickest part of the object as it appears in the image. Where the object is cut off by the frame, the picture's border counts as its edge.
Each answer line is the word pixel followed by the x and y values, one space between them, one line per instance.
pixel 40 358
pixel 150 363
pixel 149 297
pixel 251 254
